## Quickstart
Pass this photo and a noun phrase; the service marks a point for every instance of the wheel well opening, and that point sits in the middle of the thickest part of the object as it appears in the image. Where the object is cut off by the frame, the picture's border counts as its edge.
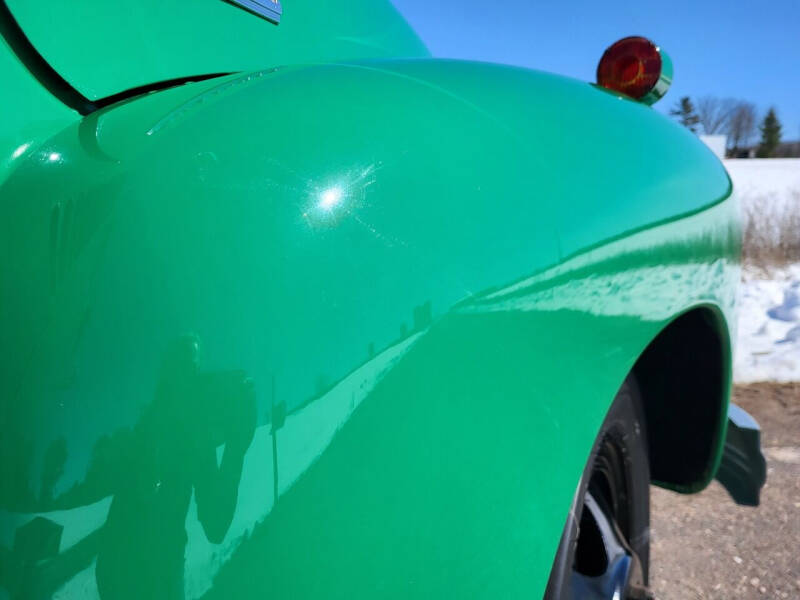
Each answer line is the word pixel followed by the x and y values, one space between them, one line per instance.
pixel 683 375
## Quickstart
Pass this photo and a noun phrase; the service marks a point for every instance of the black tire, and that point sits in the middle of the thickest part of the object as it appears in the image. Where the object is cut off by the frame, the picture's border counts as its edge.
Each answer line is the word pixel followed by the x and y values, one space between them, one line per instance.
pixel 605 547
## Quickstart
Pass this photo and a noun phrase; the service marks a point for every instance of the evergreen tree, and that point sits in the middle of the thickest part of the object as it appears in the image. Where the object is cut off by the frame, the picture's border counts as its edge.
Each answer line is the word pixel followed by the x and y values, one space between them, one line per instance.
pixel 684 110
pixel 770 135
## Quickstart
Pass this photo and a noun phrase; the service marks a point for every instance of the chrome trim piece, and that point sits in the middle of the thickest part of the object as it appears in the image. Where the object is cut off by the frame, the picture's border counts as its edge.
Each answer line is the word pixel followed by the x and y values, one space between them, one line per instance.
pixel 271 10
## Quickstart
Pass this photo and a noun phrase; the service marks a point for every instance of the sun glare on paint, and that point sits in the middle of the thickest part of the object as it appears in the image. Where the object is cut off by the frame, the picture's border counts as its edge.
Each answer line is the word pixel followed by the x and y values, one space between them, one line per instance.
pixel 20 151
pixel 330 198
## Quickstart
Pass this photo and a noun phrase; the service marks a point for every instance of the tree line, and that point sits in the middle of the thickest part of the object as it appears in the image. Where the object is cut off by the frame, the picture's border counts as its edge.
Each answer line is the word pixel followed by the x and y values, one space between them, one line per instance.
pixel 737 119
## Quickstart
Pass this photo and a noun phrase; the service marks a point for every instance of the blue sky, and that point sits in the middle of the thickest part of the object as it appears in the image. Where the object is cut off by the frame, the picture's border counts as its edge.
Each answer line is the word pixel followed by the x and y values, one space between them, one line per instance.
pixel 735 48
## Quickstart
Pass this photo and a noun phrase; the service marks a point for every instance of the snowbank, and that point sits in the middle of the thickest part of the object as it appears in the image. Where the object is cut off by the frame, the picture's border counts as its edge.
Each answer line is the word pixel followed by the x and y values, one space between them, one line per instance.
pixel 771 180
pixel 768 344
pixel 768 339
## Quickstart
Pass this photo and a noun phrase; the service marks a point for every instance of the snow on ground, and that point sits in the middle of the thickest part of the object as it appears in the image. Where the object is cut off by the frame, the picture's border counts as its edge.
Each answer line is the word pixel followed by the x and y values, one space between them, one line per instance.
pixel 770 180
pixel 768 339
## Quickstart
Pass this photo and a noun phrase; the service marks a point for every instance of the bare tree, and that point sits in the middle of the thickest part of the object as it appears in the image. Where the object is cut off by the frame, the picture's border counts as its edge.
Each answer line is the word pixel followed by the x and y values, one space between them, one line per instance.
pixel 714 113
pixel 741 126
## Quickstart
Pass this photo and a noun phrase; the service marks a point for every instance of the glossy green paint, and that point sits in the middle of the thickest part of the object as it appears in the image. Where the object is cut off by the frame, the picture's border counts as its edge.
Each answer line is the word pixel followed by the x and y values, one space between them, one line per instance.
pixel 402 299
pixel 102 48
pixel 30 114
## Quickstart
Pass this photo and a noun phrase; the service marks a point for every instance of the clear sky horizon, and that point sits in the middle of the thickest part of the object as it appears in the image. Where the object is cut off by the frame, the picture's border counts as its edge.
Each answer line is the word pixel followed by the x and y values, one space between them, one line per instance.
pixel 736 48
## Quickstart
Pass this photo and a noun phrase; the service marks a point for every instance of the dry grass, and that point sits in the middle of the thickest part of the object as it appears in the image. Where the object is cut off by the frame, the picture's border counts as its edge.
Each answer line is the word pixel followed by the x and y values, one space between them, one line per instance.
pixel 771 232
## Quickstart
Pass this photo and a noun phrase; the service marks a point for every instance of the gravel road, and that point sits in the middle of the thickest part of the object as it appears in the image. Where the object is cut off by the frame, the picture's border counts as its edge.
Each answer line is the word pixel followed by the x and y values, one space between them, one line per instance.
pixel 706 547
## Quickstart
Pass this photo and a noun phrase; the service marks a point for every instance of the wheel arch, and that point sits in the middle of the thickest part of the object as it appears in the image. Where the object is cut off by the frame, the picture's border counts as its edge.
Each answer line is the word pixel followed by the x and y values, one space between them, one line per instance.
pixel 685 378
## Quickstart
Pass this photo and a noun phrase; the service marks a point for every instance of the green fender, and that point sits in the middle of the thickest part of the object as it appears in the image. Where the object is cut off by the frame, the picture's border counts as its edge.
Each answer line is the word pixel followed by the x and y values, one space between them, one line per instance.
pixel 399 296
pixel 30 114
